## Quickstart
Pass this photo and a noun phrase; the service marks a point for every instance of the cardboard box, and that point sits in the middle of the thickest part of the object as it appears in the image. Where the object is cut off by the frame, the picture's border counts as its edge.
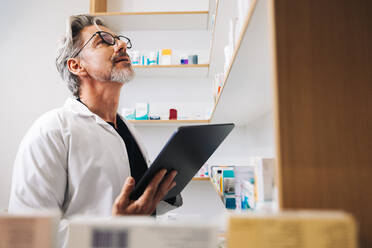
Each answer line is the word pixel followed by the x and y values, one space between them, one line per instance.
pixel 293 229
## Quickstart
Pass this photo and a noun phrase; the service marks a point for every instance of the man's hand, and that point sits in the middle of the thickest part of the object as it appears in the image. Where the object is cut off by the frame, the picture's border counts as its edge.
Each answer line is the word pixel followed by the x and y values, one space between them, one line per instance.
pixel 146 204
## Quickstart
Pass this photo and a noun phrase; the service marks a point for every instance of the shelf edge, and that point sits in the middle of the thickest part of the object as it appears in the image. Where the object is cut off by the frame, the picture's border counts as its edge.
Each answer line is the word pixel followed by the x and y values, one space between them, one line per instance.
pixel 172 66
pixel 167 121
pixel 150 13
pixel 241 36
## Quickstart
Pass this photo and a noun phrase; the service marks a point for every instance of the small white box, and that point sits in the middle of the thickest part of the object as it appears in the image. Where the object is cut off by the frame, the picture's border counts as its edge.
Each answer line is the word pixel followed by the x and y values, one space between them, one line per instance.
pixel 140 232
pixel 142 111
pixel 128 113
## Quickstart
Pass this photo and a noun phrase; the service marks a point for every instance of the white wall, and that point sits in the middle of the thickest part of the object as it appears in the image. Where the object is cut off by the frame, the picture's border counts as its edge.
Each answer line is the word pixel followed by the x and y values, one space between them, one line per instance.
pixel 260 135
pixel 30 83
pixel 191 97
pixel 31 86
pixel 253 139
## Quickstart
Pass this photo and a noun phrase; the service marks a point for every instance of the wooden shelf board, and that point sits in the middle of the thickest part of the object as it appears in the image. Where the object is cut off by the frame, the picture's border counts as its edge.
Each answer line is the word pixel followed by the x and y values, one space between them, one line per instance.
pixel 217 190
pixel 171 66
pixel 167 122
pixel 201 179
pixel 200 70
pixel 150 13
pixel 98 6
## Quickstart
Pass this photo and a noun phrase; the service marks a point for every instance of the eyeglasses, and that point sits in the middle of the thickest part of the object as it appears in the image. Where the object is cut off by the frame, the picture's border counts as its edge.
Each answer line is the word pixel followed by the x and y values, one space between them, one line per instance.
pixel 108 39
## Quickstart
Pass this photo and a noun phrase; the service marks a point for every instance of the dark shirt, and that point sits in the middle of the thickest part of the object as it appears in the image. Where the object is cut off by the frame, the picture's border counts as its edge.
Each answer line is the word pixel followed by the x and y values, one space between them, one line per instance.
pixel 137 162
pixel 138 165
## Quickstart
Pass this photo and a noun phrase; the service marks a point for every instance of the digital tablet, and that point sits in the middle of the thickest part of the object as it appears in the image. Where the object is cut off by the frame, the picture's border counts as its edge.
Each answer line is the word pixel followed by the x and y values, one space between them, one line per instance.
pixel 186 152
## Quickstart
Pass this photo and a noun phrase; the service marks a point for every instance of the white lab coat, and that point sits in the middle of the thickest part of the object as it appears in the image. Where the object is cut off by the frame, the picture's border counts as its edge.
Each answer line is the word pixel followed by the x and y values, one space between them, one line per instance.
pixel 74 161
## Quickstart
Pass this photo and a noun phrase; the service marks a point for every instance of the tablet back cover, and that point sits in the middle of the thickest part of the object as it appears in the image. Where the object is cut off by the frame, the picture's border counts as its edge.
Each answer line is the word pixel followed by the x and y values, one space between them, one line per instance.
pixel 186 151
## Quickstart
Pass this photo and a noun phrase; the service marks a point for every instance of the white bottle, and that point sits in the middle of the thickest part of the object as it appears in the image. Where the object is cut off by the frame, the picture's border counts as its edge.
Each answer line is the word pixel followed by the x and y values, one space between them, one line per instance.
pixel 166 57
pixel 152 59
pixel 136 58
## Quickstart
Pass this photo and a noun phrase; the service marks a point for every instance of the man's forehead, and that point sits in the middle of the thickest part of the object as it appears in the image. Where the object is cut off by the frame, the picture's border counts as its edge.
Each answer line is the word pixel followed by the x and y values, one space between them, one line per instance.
pixel 88 31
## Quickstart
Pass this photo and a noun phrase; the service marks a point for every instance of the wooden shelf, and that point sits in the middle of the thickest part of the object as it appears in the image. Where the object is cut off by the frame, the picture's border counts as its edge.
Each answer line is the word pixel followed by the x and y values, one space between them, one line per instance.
pixel 170 66
pixel 251 61
pixel 177 20
pixel 201 179
pixel 219 193
pixel 151 13
pixel 200 70
pixel 167 122
pixel 151 20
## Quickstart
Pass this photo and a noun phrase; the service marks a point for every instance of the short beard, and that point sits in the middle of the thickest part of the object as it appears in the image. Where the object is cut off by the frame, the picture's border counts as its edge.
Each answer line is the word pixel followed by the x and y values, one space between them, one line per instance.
pixel 122 75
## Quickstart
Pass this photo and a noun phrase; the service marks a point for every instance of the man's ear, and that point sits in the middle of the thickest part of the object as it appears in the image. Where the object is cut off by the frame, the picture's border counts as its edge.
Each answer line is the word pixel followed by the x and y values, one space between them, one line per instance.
pixel 75 67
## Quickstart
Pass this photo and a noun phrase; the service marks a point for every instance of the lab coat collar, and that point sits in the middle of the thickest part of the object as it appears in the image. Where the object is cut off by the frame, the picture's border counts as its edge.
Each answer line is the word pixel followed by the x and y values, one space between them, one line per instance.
pixel 79 108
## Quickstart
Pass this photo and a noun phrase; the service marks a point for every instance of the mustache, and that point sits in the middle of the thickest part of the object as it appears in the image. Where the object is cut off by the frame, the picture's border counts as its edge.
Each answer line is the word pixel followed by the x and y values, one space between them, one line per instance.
pixel 119 55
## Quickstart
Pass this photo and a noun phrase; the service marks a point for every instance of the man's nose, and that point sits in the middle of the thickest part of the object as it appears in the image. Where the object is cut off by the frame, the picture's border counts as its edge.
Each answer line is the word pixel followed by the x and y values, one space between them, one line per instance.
pixel 120 45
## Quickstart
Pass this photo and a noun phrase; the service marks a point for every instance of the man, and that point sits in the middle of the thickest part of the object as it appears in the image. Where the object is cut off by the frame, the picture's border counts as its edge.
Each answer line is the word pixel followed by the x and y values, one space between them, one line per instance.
pixel 84 158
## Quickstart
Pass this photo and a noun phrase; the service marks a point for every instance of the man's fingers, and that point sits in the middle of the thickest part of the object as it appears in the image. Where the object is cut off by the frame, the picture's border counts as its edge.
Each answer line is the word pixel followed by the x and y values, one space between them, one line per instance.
pixel 172 185
pixel 152 188
pixel 168 180
pixel 162 193
pixel 155 191
pixel 123 199
pixel 167 184
pixel 146 202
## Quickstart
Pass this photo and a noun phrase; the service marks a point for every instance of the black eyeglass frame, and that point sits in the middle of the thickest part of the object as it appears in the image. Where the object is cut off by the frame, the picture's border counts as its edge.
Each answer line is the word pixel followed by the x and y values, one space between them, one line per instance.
pixel 128 42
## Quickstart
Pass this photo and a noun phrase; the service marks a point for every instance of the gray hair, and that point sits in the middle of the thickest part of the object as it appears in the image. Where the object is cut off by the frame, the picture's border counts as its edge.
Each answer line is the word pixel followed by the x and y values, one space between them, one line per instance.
pixel 70 44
